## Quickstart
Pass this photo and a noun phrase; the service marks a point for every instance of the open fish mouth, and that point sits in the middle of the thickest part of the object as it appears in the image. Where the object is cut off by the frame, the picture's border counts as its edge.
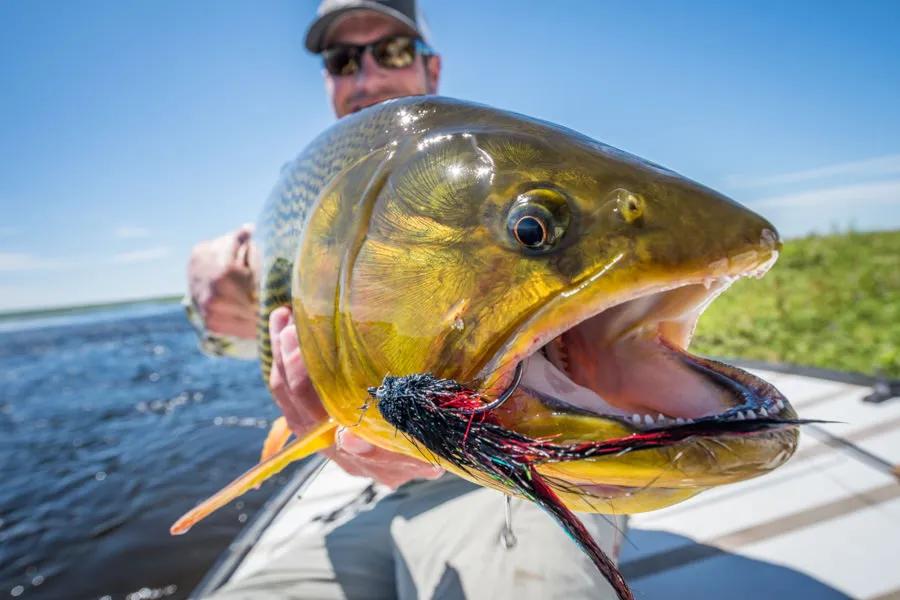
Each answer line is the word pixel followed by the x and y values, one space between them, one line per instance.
pixel 630 363
pixel 599 367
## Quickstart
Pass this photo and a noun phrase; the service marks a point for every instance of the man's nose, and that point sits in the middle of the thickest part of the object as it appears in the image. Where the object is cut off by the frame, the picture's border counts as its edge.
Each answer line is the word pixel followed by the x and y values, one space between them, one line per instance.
pixel 368 67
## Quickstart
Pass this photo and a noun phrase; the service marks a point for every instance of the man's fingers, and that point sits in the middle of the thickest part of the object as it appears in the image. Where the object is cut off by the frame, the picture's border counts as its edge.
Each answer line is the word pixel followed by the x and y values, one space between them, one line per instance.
pixel 295 370
pixel 297 422
pixel 220 286
pixel 277 379
pixel 359 457
pixel 288 340
pixel 294 367
pixel 392 476
pixel 225 325
pixel 294 393
pixel 278 320
pixel 282 395
pixel 346 441
pixel 244 243
pixel 223 308
pixel 226 318
pixel 243 252
pixel 239 244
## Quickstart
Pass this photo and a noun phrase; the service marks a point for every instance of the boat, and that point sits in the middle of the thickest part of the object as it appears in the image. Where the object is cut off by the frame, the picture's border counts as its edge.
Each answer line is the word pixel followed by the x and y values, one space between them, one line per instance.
pixel 825 525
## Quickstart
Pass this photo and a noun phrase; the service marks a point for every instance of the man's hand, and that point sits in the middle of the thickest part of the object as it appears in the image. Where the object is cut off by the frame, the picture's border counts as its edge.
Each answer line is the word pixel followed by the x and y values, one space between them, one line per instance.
pixel 222 276
pixel 302 408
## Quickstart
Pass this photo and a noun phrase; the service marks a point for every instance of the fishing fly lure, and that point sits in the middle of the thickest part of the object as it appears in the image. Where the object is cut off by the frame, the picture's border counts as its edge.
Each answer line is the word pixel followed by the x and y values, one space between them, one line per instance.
pixel 447 420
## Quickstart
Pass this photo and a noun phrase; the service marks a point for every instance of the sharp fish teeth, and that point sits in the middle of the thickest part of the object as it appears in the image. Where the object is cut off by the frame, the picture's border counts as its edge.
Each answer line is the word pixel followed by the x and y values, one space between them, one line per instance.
pixel 780 404
pixel 636 419
pixel 648 420
pixel 680 421
pixel 749 415
pixel 740 416
pixel 763 412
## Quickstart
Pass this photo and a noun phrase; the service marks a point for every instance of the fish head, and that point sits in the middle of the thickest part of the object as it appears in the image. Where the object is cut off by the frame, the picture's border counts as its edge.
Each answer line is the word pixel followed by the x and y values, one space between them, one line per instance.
pixel 489 239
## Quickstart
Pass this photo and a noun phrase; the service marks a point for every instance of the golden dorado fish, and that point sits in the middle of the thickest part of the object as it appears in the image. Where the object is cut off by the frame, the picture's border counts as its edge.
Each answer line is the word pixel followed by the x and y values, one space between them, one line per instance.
pixel 430 235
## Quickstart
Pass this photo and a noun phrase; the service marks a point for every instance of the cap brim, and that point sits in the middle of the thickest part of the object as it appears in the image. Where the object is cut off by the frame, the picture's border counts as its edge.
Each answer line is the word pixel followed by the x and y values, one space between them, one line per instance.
pixel 315 36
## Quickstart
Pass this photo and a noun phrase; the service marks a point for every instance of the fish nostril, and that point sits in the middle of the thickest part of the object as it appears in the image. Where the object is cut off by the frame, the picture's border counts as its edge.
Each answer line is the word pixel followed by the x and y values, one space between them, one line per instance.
pixel 769 238
pixel 630 206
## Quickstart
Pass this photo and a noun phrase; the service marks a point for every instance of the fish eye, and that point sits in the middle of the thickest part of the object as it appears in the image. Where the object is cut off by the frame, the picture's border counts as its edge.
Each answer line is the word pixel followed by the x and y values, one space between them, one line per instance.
pixel 537 219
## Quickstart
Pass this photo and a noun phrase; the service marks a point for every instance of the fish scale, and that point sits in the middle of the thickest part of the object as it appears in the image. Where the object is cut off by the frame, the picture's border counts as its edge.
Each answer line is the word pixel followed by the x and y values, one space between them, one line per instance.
pixel 285 213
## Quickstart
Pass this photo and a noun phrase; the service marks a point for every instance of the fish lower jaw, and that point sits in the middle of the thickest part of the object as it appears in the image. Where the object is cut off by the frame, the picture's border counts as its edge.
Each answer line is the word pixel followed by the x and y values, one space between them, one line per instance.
pixel 630 363
pixel 548 380
pixel 649 421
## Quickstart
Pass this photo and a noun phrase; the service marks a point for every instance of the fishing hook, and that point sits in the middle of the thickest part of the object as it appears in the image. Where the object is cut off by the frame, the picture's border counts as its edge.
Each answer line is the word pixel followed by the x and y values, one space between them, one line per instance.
pixel 517 379
pixel 507 536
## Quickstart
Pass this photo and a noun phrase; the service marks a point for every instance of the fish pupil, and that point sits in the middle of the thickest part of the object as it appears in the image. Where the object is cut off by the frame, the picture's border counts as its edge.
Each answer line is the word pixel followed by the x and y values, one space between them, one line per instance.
pixel 530 231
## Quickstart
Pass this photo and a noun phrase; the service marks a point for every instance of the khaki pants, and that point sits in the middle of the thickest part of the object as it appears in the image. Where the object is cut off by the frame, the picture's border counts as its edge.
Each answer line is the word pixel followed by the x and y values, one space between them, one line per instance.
pixel 437 539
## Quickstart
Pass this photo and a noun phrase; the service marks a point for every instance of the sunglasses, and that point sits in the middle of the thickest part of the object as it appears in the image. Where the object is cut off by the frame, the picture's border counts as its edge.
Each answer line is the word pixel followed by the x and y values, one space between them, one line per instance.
pixel 393 52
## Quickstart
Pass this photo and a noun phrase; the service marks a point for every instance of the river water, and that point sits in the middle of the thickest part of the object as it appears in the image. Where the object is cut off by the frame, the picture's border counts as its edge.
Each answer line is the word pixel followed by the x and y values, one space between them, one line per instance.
pixel 112 424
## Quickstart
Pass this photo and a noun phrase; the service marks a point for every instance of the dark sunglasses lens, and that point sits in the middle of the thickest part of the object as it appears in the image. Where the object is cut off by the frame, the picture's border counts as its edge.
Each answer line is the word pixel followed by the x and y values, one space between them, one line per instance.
pixel 395 52
pixel 341 60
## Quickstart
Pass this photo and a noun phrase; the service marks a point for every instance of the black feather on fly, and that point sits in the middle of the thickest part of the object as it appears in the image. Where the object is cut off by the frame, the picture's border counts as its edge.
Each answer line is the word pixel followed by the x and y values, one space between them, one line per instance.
pixel 455 423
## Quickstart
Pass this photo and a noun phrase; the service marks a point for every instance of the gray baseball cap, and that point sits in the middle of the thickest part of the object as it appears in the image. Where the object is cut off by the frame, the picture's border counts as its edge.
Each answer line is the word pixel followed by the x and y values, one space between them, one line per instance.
pixel 405 11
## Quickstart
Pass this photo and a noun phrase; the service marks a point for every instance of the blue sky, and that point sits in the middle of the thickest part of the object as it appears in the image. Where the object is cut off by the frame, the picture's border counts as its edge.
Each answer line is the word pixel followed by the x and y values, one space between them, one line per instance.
pixel 131 130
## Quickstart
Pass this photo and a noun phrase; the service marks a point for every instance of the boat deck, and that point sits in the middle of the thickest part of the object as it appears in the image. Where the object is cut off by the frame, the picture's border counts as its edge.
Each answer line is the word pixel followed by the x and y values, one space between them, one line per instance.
pixel 826 525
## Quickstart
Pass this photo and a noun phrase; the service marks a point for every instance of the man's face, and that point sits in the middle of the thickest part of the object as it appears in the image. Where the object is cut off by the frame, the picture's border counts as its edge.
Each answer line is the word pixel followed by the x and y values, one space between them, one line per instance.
pixel 373 83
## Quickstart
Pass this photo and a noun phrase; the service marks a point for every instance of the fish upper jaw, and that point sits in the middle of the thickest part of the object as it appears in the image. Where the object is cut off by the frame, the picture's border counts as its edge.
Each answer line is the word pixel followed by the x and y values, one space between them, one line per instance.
pixel 627 360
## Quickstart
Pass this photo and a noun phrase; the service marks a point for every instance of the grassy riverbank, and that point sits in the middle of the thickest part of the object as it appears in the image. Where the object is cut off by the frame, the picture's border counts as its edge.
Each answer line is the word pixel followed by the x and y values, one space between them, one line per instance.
pixel 830 301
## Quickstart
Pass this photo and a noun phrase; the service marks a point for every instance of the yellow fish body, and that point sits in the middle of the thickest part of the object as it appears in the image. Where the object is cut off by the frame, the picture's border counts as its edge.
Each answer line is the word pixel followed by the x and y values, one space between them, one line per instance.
pixel 433 235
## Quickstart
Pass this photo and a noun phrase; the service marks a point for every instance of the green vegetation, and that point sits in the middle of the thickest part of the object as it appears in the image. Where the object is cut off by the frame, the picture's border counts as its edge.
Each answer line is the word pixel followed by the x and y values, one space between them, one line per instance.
pixel 830 301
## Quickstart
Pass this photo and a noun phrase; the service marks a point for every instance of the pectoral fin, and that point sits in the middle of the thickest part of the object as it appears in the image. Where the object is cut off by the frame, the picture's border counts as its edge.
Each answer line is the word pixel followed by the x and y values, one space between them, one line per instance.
pixel 277 438
pixel 319 438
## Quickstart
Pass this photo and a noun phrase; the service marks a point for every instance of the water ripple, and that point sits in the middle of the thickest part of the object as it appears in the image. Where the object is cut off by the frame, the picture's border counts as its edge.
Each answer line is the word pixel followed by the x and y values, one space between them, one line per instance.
pixel 110 427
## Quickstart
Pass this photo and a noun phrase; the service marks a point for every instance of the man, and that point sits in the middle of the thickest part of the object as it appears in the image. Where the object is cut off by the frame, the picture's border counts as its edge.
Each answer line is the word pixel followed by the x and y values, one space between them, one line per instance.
pixel 429 538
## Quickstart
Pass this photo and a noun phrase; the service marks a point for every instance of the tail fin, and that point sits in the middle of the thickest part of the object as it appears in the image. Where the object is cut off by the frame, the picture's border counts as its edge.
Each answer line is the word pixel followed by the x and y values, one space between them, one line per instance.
pixel 319 438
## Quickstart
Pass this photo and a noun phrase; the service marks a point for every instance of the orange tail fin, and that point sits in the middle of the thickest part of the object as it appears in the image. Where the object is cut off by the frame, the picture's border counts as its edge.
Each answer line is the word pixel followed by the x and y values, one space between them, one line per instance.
pixel 319 438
